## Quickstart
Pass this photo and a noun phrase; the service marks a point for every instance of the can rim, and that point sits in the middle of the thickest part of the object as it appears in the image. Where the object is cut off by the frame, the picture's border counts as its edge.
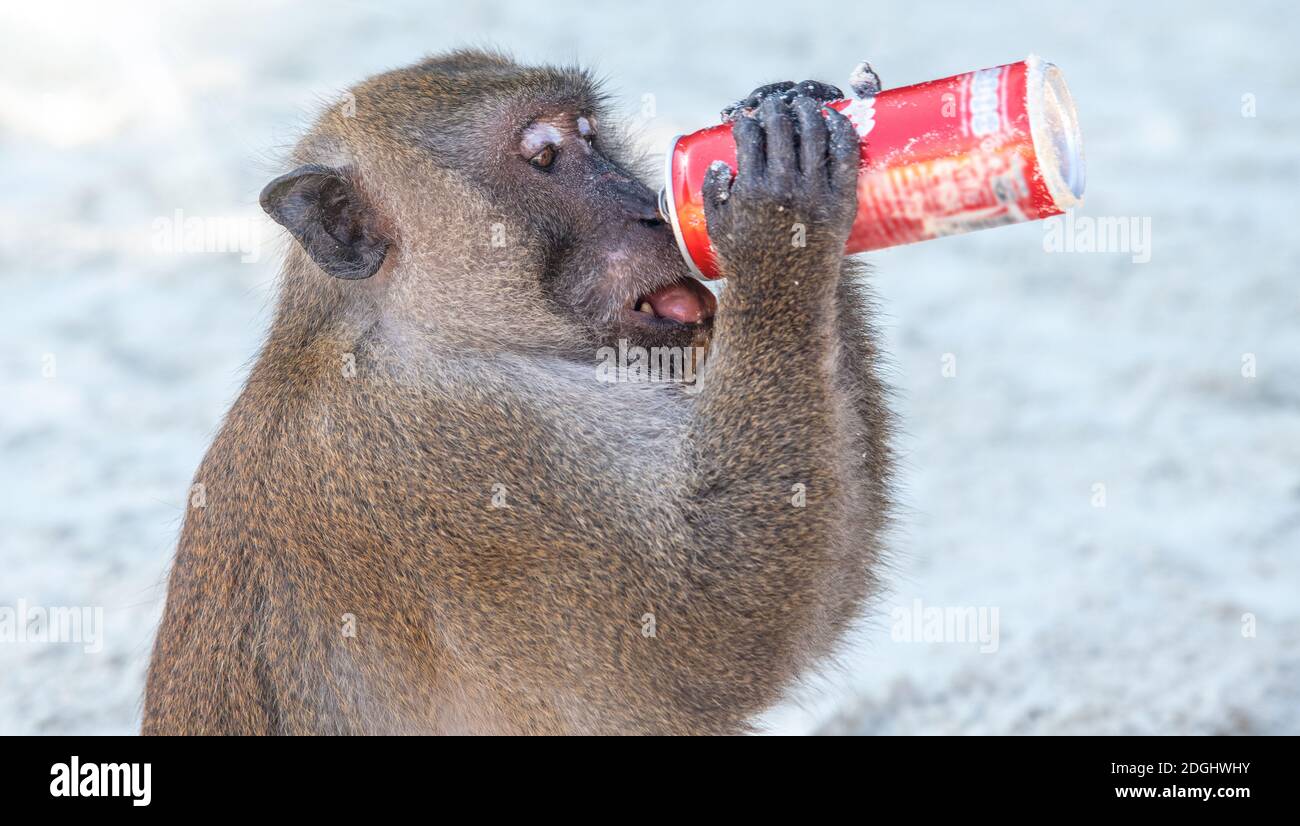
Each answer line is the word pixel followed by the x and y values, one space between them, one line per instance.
pixel 668 206
pixel 1054 129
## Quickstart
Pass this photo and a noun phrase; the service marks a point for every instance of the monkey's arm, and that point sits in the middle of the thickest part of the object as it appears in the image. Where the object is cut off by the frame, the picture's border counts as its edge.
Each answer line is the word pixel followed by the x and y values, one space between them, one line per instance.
pixel 774 477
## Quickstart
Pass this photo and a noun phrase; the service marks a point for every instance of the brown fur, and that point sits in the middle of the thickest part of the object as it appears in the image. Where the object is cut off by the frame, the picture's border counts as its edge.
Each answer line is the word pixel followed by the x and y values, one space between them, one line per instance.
pixel 370 494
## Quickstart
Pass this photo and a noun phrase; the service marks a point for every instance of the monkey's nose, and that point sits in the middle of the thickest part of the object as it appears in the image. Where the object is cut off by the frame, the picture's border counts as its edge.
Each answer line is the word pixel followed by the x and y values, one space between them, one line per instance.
pixel 635 200
pixel 642 209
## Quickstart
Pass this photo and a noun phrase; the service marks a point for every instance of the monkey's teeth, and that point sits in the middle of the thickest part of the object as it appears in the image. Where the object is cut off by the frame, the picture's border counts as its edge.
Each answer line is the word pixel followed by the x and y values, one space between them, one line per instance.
pixel 646 308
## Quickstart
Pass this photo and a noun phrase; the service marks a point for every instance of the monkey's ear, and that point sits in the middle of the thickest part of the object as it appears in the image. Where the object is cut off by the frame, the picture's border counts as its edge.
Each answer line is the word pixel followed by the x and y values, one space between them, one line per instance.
pixel 323 210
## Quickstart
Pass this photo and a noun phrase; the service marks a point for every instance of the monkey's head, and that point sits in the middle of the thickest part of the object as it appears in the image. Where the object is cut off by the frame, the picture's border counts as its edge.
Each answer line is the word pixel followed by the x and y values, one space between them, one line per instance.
pixel 486 203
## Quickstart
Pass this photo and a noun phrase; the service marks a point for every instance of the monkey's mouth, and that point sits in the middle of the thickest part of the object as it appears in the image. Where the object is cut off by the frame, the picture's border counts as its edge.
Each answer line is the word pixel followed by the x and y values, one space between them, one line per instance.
pixel 684 302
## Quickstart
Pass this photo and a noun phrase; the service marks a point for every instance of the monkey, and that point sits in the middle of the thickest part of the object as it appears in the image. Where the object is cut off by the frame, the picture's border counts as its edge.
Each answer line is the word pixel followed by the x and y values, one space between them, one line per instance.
pixel 424 514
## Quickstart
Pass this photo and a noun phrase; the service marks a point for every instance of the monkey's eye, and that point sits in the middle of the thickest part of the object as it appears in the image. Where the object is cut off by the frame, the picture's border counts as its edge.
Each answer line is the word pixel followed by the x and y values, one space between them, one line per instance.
pixel 543 159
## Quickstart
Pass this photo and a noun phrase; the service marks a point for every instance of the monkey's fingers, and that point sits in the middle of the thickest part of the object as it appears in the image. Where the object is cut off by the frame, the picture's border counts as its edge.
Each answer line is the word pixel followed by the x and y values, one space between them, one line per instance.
pixel 844 151
pixel 812 142
pixel 747 104
pixel 717 193
pixel 778 129
pixel 787 90
pixel 815 89
pixel 751 149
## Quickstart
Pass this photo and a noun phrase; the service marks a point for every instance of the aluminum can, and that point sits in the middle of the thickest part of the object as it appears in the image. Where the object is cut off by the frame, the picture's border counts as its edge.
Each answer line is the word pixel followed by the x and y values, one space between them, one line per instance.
pixel 972 151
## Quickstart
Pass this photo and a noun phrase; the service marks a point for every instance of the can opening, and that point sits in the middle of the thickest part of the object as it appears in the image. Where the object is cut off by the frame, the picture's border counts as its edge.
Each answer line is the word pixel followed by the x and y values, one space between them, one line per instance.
pixel 1065 130
pixel 1058 141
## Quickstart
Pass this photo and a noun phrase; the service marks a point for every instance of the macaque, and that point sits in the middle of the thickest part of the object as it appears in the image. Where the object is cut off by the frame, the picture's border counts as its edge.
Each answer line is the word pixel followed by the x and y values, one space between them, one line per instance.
pixel 425 513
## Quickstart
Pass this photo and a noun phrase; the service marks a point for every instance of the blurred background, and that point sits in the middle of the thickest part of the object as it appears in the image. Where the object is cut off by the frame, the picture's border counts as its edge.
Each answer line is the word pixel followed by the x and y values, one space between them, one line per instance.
pixel 1101 450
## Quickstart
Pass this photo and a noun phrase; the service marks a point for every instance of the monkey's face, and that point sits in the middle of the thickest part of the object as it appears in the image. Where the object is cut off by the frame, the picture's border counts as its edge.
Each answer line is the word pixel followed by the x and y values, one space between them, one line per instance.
pixel 437 154
pixel 611 260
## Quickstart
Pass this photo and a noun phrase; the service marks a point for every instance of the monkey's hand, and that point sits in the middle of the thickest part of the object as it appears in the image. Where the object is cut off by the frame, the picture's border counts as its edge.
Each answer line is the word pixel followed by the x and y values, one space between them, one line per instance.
pixel 792 202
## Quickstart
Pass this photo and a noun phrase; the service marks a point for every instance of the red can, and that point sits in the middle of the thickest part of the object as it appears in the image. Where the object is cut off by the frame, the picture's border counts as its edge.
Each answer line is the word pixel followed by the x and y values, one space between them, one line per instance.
pixel 982 149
